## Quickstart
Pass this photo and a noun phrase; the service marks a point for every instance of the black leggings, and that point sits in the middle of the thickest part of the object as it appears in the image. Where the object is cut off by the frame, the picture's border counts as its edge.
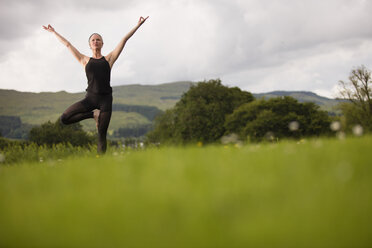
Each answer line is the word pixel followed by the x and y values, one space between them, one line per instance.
pixel 84 110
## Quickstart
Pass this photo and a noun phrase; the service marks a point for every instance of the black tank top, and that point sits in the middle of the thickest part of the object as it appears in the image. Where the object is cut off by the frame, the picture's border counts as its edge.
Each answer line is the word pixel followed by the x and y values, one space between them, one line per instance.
pixel 98 74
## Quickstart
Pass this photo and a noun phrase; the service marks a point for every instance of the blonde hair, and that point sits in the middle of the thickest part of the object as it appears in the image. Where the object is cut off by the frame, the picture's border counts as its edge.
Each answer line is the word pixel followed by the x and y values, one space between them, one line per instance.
pixel 94 34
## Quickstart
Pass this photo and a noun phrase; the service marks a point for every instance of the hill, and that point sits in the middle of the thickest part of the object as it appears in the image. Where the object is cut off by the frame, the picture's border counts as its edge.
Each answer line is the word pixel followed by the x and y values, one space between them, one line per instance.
pixel 131 103
pixel 134 105
pixel 162 96
pixel 324 103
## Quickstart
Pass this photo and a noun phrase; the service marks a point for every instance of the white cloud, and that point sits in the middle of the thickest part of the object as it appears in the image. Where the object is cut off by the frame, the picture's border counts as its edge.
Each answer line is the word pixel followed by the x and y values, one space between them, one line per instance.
pixel 258 45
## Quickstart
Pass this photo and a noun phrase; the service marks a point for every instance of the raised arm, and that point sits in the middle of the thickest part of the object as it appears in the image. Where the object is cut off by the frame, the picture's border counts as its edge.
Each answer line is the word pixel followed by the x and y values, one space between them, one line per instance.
pixel 80 57
pixel 113 56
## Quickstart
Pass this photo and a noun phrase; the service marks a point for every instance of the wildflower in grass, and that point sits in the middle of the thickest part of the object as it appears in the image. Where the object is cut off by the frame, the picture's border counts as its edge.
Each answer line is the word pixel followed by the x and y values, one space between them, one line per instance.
pixel 335 126
pixel 293 126
pixel 270 136
pixel 238 145
pixel 341 135
pixel 230 139
pixel 301 141
pixel 344 171
pixel 358 130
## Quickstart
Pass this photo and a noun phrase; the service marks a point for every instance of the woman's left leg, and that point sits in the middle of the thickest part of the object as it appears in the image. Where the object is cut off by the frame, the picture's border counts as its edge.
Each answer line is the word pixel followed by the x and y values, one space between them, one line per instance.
pixel 103 124
pixel 77 112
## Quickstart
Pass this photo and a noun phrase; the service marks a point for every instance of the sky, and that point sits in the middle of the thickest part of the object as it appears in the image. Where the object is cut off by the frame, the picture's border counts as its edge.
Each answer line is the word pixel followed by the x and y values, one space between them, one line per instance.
pixel 256 45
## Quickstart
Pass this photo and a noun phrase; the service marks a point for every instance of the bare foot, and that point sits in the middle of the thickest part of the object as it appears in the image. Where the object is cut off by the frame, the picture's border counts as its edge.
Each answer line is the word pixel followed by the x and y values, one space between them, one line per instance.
pixel 96 113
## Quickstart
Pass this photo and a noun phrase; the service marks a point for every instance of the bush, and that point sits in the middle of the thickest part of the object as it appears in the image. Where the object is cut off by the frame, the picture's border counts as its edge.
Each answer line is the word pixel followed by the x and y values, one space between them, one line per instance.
pixel 56 133
pixel 278 117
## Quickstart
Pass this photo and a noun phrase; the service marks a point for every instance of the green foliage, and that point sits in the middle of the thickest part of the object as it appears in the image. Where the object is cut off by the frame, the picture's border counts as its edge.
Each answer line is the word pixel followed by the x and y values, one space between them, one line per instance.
pixel 209 110
pixel 165 128
pixel 313 194
pixel 55 133
pixel 260 119
pixel 200 114
pixel 15 152
pixel 6 143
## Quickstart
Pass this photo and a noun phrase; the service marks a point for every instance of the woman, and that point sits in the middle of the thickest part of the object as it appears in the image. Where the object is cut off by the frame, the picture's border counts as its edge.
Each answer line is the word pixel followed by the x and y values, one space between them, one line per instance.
pixel 97 103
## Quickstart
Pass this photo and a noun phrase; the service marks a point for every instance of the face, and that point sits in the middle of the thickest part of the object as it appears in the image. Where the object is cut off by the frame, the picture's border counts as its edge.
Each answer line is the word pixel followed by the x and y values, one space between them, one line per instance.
pixel 95 41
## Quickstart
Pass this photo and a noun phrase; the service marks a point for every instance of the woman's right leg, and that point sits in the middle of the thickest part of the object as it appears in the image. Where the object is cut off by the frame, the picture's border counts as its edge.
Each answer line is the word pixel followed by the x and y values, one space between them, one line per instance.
pixel 104 121
pixel 77 112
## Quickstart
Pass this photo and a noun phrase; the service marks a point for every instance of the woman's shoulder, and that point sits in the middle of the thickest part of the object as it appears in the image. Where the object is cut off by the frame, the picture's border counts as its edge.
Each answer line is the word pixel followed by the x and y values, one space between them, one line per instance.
pixel 108 58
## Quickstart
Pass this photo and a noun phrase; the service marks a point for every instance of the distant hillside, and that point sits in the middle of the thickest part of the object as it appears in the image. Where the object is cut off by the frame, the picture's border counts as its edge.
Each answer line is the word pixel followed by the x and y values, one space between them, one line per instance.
pixel 162 96
pixel 324 103
pixel 134 105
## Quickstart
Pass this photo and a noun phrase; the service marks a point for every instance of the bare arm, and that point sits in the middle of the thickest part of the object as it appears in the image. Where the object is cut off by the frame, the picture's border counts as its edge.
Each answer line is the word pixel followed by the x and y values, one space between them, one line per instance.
pixel 113 56
pixel 80 57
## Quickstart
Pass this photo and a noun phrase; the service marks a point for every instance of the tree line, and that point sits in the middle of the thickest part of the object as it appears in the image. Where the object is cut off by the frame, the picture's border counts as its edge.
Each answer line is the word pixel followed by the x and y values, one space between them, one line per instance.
pixel 210 110
pixel 12 126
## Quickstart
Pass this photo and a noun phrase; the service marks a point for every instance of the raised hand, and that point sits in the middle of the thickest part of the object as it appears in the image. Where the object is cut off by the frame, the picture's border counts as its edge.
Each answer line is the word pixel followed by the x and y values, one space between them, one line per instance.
pixel 142 20
pixel 49 28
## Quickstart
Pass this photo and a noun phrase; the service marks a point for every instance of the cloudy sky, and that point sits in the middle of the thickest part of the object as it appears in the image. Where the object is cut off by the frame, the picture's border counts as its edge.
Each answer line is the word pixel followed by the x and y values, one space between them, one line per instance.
pixel 257 45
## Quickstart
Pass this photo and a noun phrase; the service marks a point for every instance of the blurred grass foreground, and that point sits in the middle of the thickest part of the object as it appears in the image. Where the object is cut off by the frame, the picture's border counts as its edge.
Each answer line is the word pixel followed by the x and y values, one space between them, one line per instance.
pixel 315 193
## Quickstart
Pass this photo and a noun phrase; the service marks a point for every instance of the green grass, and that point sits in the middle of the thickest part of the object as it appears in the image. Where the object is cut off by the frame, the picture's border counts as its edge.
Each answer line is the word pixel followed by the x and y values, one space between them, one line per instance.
pixel 313 194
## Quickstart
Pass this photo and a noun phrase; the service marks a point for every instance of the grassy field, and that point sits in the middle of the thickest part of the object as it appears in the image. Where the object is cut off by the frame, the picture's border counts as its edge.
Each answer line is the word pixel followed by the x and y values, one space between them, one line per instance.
pixel 314 193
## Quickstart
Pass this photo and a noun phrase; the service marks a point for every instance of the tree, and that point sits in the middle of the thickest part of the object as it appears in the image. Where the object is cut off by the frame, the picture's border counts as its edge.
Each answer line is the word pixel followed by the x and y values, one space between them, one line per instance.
pixel 358 90
pixel 54 133
pixel 200 114
pixel 164 128
pixel 277 117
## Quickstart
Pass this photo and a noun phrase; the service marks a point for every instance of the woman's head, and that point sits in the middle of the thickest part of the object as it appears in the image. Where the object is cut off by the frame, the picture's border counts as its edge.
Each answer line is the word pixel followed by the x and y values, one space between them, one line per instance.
pixel 95 41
